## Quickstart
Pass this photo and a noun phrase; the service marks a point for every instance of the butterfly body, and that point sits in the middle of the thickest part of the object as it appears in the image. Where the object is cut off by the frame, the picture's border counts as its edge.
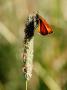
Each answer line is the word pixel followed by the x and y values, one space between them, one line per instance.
pixel 42 25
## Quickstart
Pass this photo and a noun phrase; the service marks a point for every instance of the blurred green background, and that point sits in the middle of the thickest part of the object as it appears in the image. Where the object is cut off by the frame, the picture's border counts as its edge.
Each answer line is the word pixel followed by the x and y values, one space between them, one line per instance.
pixel 50 52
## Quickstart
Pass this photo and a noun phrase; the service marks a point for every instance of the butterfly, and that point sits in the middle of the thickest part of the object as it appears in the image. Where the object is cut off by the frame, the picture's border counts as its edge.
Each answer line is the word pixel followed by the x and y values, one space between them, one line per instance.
pixel 42 26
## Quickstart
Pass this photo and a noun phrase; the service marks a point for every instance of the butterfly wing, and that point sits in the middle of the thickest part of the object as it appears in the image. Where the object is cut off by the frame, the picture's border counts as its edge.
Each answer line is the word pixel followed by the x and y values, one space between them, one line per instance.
pixel 44 26
pixel 43 29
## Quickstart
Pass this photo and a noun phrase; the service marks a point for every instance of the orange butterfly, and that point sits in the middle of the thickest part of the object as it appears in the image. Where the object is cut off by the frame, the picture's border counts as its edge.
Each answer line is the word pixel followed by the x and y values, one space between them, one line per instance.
pixel 43 26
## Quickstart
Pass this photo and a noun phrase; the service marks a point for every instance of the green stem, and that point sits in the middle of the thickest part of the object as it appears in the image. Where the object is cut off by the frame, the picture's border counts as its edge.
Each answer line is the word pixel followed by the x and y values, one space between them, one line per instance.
pixel 26 84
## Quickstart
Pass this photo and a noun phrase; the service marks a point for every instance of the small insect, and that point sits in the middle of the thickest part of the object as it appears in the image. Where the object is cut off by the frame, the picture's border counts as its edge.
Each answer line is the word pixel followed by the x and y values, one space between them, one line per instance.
pixel 42 26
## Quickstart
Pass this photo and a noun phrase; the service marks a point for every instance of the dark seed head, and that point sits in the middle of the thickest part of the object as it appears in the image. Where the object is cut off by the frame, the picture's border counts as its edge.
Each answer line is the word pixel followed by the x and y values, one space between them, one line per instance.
pixel 29 30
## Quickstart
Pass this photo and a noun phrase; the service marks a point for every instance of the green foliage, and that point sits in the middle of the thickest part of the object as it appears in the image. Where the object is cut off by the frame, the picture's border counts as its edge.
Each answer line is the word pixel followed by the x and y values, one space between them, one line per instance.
pixel 42 86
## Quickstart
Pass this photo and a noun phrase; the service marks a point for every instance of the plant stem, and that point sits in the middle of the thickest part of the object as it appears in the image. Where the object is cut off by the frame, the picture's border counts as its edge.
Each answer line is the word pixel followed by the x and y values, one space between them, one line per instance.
pixel 26 84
